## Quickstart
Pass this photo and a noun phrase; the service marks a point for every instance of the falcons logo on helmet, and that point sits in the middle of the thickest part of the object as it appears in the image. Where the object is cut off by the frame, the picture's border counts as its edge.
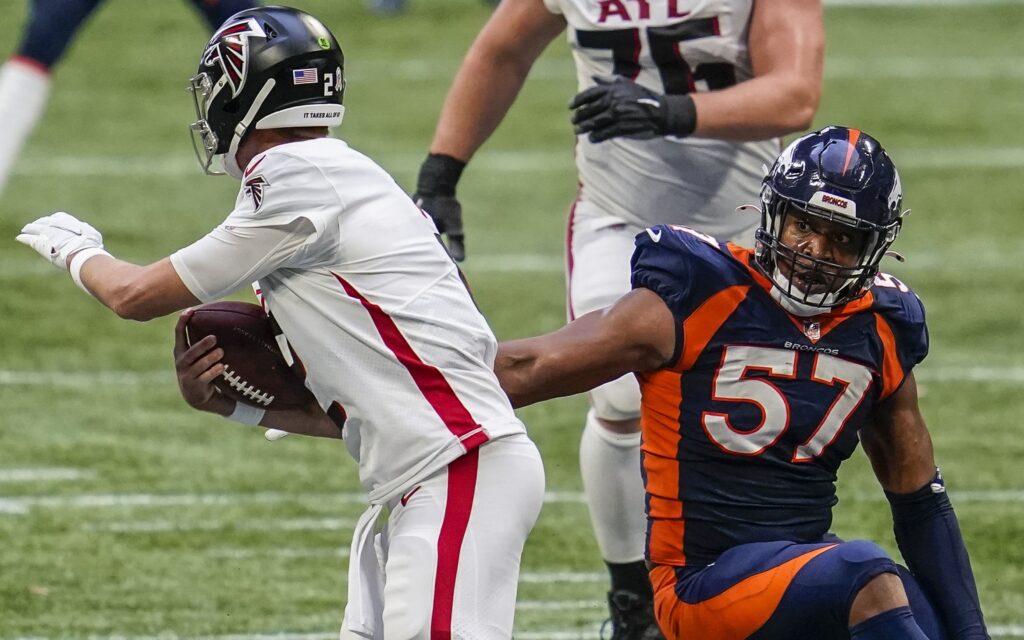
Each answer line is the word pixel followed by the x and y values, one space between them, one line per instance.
pixel 254 188
pixel 230 47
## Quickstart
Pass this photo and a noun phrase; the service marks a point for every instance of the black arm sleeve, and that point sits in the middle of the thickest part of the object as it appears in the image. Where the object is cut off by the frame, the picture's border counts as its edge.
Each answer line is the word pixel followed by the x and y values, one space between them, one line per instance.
pixel 928 535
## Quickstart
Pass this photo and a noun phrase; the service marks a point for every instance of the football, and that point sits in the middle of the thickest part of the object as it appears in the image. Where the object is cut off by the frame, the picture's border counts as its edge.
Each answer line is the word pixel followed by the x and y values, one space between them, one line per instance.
pixel 255 369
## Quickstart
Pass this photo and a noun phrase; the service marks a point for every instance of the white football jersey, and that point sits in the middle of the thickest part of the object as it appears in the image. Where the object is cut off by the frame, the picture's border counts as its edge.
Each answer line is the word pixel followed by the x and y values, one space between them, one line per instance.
pixel 373 306
pixel 668 46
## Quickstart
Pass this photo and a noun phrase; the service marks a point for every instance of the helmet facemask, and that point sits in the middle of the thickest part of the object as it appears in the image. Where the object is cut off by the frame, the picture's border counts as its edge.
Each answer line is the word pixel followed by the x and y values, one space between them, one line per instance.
pixel 809 285
pixel 204 140
pixel 836 179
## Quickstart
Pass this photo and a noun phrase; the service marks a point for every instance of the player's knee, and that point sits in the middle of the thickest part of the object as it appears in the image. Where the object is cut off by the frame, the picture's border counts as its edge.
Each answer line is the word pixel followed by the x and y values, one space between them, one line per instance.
pixel 882 593
pixel 861 552
pixel 617 401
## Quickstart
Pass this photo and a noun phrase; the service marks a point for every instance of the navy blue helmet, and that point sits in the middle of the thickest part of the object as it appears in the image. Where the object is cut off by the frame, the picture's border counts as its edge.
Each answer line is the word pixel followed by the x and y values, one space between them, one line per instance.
pixel 841 175
pixel 265 68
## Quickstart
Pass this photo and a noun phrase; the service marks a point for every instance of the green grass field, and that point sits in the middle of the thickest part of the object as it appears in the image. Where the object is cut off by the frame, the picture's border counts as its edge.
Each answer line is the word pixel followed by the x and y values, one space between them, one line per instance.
pixel 124 514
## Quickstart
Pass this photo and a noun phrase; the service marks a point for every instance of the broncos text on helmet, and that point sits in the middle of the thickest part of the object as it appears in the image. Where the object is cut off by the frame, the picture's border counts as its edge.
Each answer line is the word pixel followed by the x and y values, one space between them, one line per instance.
pixel 268 68
pixel 841 175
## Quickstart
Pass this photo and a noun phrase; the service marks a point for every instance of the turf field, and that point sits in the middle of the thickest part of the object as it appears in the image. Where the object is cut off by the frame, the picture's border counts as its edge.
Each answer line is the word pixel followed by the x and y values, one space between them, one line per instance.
pixel 124 514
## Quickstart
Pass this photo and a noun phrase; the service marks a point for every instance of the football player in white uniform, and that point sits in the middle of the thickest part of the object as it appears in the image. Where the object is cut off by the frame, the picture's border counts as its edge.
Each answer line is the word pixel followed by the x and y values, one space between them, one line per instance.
pixel 681 103
pixel 396 353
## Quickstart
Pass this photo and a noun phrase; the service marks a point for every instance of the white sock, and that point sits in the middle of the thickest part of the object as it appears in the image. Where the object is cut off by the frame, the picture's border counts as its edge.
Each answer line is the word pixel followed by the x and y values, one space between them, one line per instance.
pixel 24 89
pixel 610 466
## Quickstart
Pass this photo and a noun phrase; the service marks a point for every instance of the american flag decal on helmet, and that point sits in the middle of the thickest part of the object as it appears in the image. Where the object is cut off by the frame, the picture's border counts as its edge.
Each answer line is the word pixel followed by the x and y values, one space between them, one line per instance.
pixel 230 48
pixel 254 188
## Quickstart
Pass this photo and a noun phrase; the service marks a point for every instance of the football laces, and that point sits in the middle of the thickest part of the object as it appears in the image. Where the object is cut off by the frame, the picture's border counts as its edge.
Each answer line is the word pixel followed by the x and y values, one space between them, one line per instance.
pixel 245 389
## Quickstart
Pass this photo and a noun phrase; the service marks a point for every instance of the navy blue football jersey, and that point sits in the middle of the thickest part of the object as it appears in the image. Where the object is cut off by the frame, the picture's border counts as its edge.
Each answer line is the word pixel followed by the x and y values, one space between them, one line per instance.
pixel 744 430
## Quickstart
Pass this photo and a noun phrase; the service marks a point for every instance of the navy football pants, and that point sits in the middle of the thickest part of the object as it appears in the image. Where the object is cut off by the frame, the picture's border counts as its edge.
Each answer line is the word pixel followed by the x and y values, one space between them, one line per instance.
pixel 779 591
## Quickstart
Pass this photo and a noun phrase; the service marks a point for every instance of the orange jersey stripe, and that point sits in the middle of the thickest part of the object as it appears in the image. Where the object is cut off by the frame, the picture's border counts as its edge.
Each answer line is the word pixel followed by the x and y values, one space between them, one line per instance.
pixel 892 370
pixel 704 322
pixel 734 614
pixel 659 418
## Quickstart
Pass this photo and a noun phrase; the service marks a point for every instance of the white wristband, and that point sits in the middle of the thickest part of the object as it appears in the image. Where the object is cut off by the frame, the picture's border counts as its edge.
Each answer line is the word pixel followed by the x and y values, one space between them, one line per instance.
pixel 79 261
pixel 247 414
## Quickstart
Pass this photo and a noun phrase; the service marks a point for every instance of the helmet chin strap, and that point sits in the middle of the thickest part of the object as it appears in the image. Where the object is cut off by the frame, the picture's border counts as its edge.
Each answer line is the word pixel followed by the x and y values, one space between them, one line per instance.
pixel 228 160
pixel 823 302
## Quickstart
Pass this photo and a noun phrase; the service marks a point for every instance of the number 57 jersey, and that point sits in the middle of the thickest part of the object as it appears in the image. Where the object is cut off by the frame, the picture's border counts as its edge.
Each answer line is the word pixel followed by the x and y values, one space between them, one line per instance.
pixel 673 47
pixel 745 428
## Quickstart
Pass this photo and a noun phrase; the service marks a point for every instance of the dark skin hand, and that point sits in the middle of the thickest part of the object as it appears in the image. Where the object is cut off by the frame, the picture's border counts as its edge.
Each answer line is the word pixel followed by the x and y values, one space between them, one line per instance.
pixel 199 365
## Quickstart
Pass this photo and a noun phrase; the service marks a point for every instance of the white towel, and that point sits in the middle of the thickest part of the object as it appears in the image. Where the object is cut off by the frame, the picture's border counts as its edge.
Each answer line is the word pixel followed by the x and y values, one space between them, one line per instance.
pixel 365 608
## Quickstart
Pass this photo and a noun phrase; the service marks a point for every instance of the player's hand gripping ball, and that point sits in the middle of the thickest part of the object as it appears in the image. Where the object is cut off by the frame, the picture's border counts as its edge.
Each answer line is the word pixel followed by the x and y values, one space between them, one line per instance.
pixel 255 369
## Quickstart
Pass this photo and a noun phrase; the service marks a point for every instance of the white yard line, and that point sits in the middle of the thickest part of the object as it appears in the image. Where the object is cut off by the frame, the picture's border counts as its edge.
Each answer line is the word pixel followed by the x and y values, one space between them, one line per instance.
pixel 44 474
pixel 982 256
pixel 997 631
pixel 83 379
pixel 925 68
pixel 572 577
pixel 523 161
pixel 284 552
pixel 900 4
pixel 164 526
pixel 1012 375
pixel 13 505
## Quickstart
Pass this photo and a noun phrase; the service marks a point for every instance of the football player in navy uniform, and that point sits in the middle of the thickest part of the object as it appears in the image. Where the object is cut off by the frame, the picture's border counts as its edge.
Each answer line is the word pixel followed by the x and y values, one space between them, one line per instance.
pixel 25 77
pixel 760 372
pixel 680 104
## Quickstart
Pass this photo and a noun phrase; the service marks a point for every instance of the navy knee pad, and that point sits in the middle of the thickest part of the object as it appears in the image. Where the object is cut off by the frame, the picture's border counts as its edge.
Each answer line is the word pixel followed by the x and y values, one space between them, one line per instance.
pixel 818 600
pixel 52 24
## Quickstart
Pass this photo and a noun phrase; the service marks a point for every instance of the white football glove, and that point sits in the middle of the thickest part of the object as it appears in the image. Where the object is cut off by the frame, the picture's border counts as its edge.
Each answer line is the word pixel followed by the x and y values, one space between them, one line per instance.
pixel 57 236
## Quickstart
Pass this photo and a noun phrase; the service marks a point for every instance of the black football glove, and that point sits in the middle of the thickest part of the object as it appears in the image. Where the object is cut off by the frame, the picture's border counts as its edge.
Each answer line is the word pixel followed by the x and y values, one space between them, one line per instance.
pixel 618 107
pixel 435 194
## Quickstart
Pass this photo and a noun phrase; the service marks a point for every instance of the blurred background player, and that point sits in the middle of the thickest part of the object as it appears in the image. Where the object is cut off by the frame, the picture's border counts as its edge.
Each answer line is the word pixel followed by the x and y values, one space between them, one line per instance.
pixel 680 106
pixel 25 77
pixel 761 372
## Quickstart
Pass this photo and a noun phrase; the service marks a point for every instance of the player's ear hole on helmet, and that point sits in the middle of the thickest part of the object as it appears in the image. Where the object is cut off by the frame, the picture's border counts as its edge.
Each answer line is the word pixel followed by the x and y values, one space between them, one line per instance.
pixel 269 30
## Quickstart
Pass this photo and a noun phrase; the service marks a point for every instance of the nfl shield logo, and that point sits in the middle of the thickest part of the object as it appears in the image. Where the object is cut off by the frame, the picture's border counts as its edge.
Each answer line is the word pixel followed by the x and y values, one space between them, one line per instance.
pixel 812 330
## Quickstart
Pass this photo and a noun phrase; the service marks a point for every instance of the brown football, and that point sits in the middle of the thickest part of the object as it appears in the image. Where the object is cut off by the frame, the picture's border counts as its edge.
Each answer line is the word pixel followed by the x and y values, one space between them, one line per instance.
pixel 255 370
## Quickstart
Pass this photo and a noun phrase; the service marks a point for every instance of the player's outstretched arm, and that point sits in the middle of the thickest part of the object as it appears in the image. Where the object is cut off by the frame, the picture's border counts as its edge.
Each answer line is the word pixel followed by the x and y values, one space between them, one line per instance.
pixel 897 442
pixel 637 333
pixel 199 365
pixel 484 88
pixel 131 291
pixel 787 51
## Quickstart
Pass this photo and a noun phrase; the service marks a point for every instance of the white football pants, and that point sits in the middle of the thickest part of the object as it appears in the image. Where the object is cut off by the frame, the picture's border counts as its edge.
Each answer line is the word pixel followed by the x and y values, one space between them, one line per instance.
pixel 444 563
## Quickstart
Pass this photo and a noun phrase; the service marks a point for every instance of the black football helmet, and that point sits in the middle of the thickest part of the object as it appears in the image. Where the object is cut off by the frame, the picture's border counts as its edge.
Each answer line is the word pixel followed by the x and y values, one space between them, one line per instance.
pixel 268 68
pixel 841 175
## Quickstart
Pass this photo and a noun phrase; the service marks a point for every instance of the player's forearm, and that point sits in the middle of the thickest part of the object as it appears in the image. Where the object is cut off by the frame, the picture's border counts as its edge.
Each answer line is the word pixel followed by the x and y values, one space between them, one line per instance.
pixel 537 369
pixel 761 108
pixel 134 292
pixel 527 376
pixel 928 535
pixel 308 421
pixel 483 91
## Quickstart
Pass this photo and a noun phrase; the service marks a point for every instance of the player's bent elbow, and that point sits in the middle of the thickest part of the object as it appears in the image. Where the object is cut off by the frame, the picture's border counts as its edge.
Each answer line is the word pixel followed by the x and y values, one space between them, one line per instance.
pixel 804 105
